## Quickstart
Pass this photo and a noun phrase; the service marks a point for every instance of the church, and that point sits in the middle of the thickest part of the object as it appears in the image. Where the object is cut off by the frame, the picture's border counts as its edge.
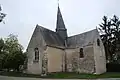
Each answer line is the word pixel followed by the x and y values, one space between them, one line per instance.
pixel 54 51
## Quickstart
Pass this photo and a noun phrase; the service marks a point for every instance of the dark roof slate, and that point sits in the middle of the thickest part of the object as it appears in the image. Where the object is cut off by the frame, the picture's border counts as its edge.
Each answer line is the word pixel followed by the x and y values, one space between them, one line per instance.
pixel 60 22
pixel 51 38
pixel 83 39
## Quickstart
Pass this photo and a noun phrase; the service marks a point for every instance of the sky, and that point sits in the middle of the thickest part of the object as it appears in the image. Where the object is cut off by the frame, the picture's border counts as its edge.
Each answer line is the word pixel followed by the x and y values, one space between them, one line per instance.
pixel 79 16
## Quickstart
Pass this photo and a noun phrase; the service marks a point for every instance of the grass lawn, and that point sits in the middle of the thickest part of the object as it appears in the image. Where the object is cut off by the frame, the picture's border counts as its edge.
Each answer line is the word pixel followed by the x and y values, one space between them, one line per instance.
pixel 64 75
pixel 83 76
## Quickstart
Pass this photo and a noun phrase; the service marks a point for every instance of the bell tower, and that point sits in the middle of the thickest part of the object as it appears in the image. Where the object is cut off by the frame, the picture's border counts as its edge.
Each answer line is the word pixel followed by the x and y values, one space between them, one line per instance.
pixel 60 26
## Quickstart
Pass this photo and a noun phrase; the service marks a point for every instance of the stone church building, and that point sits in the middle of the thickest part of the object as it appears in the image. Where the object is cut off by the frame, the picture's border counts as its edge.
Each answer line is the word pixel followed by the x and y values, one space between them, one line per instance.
pixel 54 51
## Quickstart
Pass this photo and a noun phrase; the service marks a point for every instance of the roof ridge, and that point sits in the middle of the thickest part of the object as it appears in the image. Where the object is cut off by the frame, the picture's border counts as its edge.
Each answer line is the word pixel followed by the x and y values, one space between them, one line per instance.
pixel 82 33
pixel 45 28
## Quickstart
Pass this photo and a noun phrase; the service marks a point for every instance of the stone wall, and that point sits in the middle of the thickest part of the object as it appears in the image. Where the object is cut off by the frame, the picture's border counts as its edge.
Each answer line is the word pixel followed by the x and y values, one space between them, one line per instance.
pixel 55 59
pixel 72 59
pixel 37 41
pixel 100 59
pixel 87 64
pixel 81 65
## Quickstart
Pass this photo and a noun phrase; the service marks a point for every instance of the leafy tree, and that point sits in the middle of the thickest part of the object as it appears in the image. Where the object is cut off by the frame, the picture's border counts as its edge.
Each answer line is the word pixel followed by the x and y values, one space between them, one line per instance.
pixel 13 55
pixel 1 45
pixel 15 60
pixel 1 51
pixel 12 44
pixel 2 15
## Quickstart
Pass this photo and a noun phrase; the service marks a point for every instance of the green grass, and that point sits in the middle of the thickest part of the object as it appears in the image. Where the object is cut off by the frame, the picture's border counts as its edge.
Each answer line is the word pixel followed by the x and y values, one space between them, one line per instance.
pixel 83 76
pixel 62 75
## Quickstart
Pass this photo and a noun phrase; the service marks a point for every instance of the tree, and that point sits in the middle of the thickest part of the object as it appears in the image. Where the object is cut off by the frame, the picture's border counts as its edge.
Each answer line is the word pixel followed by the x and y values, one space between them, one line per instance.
pixel 15 61
pixel 116 32
pixel 116 39
pixel 1 45
pixel 105 32
pixel 14 57
pixel 1 52
pixel 12 44
pixel 2 15
pixel 110 31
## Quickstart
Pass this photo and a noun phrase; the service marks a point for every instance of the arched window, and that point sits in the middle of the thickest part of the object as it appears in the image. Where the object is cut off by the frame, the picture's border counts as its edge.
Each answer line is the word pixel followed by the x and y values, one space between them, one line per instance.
pixel 36 54
pixel 98 42
pixel 81 55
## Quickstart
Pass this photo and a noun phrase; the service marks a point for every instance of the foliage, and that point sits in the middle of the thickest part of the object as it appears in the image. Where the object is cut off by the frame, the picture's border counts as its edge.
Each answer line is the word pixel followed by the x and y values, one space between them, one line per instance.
pixel 1 45
pixel 2 15
pixel 1 52
pixel 12 45
pixel 110 31
pixel 12 56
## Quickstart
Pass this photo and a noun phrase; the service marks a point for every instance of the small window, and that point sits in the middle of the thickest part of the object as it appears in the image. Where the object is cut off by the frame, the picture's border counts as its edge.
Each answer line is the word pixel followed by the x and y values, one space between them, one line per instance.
pixel 81 55
pixel 98 42
pixel 36 54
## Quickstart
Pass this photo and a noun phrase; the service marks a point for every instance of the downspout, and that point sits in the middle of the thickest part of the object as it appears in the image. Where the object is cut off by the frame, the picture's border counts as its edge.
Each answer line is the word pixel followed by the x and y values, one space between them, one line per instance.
pixel 65 56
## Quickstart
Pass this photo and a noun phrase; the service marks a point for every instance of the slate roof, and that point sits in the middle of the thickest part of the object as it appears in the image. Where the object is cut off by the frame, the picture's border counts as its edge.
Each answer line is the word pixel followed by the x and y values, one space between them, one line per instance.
pixel 60 22
pixel 83 39
pixel 51 38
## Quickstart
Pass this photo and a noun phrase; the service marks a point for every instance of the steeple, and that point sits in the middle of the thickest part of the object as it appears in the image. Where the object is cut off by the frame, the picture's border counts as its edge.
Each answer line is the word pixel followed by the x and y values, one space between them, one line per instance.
pixel 60 26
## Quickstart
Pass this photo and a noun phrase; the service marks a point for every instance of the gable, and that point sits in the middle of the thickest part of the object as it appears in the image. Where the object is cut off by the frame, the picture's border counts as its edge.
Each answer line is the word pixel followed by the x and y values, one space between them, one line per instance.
pixel 49 37
pixel 36 39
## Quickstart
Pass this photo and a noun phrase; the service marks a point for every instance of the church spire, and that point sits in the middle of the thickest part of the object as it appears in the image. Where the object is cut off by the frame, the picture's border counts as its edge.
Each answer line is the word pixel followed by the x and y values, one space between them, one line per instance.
pixel 60 26
pixel 60 21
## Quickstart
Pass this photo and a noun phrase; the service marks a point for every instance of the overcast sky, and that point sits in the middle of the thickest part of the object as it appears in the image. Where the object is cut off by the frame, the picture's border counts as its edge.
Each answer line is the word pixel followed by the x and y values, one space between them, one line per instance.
pixel 79 15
